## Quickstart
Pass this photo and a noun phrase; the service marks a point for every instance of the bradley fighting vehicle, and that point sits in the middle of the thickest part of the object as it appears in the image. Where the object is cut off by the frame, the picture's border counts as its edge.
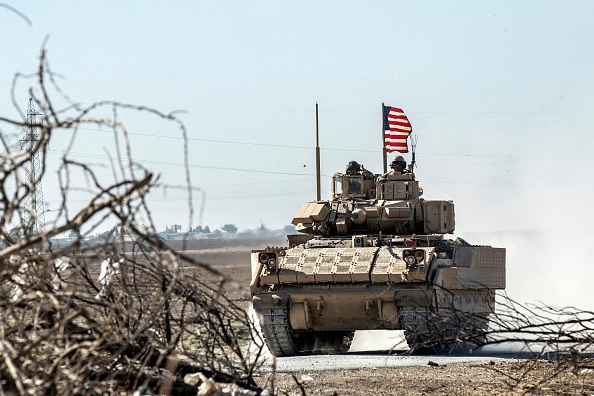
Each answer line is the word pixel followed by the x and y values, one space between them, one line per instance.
pixel 374 257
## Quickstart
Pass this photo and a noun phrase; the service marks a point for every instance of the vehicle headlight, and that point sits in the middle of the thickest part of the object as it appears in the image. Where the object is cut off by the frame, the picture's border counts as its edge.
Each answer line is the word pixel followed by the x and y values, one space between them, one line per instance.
pixel 263 258
pixel 268 259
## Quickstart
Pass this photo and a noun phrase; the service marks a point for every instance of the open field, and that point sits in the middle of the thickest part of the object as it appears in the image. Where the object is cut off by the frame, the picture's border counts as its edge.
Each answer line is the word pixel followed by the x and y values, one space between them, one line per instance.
pixel 229 256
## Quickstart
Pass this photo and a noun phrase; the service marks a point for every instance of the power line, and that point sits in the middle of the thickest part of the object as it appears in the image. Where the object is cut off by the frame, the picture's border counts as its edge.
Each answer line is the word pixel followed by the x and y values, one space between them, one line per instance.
pixel 141 161
pixel 341 111
pixel 306 147
pixel 212 167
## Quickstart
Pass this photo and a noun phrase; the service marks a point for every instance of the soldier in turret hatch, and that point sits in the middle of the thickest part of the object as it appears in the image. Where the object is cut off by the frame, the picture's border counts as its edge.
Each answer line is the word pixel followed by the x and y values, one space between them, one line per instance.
pixel 354 168
pixel 398 166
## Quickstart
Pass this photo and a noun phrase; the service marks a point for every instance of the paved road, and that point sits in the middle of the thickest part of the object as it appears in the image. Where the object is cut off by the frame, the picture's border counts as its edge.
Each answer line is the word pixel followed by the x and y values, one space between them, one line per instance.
pixel 355 361
pixel 376 349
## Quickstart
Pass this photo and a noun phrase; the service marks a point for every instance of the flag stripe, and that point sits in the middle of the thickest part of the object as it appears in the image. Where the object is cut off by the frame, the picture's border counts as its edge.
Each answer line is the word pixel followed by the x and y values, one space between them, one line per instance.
pixel 397 133
pixel 396 141
pixel 392 116
pixel 403 150
pixel 403 125
pixel 393 138
pixel 397 128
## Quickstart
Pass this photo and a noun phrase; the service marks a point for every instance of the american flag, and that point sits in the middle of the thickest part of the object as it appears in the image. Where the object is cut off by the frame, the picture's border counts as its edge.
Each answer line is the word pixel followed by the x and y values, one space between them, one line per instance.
pixel 396 130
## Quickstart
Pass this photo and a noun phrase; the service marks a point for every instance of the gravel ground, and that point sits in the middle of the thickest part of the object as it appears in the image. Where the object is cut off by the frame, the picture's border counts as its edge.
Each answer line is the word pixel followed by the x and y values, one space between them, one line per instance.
pixel 497 377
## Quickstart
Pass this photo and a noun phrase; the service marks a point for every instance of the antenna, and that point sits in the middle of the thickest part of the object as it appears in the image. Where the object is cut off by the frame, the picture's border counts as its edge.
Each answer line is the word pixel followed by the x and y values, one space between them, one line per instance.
pixel 413 145
pixel 33 214
pixel 318 186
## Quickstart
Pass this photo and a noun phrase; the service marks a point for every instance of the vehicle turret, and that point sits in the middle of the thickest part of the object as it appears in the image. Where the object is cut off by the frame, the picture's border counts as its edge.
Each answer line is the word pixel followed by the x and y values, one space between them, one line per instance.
pixel 390 205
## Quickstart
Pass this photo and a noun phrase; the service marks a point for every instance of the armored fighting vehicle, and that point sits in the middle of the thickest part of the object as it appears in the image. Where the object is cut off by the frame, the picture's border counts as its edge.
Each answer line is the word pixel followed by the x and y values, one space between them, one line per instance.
pixel 375 257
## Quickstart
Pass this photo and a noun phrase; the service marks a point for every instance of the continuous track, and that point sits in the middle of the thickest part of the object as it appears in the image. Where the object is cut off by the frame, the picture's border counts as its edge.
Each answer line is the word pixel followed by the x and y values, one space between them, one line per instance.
pixel 282 341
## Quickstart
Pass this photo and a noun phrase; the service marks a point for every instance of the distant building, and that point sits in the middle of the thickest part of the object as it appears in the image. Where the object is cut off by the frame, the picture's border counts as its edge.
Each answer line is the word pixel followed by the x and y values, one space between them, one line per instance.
pixel 174 229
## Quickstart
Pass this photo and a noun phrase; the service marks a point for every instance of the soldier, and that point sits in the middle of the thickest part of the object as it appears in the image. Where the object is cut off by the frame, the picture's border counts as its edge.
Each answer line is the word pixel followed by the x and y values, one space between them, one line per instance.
pixel 353 169
pixel 398 166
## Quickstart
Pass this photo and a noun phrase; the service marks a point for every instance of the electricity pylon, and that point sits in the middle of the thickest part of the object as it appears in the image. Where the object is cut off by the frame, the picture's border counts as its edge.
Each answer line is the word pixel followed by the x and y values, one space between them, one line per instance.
pixel 33 213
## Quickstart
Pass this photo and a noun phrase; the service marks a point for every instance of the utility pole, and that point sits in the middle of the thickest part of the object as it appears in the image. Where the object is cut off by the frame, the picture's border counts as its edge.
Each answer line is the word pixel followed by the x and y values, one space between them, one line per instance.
pixel 33 213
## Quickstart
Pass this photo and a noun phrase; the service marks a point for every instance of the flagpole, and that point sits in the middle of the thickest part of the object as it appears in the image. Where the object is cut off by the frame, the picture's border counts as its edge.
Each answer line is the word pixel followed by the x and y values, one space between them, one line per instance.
pixel 384 153
pixel 318 184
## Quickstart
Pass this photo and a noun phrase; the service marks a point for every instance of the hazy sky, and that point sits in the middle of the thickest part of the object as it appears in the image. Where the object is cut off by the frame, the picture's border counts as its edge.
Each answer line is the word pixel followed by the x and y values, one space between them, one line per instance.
pixel 500 94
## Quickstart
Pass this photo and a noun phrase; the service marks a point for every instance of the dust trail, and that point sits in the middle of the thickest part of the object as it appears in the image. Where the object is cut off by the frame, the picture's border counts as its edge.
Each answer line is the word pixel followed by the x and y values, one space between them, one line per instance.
pixel 254 347
pixel 378 340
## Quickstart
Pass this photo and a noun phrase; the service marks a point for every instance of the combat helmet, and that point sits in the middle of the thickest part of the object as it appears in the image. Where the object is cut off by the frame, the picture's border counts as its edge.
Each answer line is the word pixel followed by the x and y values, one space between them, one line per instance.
pixel 352 167
pixel 398 159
